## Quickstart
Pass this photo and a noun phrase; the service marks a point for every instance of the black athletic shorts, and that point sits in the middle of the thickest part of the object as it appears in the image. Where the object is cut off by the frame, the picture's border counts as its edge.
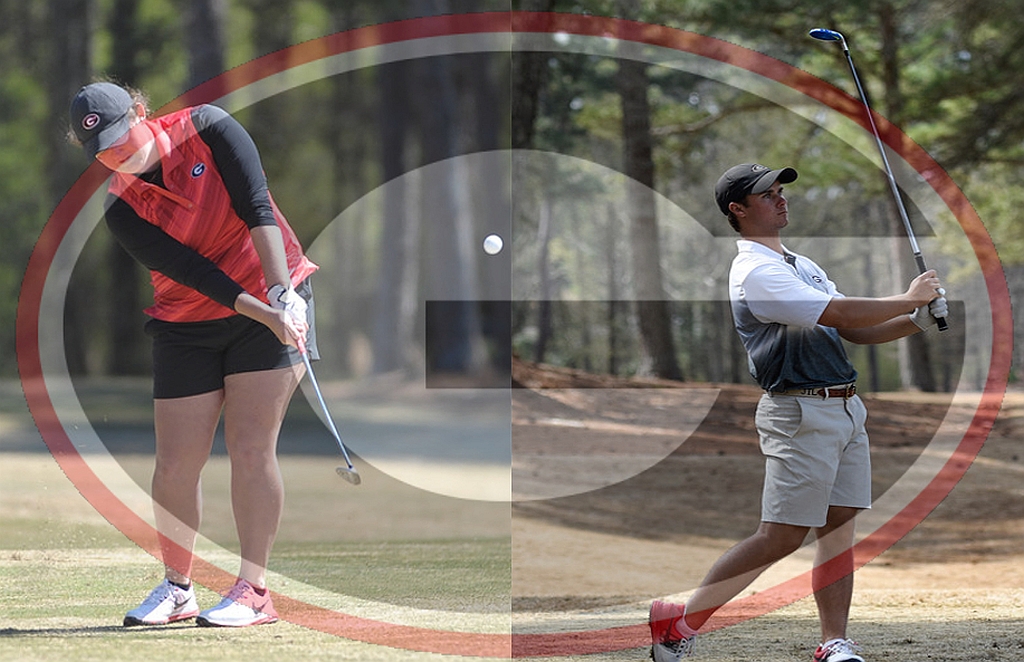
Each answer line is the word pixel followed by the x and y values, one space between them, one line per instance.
pixel 190 358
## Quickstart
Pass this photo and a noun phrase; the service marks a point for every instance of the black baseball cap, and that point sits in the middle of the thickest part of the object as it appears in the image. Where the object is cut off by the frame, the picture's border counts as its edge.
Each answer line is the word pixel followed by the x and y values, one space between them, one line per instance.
pixel 99 116
pixel 746 179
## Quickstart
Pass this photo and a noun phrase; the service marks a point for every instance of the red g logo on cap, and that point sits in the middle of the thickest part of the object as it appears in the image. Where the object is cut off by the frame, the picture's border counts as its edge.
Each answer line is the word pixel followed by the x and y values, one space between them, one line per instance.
pixel 90 121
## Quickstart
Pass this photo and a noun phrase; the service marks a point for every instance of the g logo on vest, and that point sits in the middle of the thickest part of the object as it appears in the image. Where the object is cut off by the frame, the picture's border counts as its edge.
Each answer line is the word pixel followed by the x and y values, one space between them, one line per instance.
pixel 198 169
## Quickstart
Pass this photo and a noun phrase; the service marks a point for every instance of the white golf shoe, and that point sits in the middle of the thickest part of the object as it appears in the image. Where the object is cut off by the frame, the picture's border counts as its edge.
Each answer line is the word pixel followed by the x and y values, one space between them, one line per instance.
pixel 165 604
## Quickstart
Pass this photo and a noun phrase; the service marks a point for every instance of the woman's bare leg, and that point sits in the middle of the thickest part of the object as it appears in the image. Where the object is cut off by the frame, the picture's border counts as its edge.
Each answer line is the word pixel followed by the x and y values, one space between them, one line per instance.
pixel 254 407
pixel 184 438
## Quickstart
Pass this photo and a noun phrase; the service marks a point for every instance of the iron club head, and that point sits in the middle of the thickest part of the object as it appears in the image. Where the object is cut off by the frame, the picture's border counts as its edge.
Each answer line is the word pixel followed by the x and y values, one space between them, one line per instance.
pixel 350 474
pixel 347 472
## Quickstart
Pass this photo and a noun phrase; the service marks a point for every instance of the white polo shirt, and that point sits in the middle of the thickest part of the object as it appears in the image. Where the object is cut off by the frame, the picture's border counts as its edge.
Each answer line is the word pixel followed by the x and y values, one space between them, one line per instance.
pixel 776 306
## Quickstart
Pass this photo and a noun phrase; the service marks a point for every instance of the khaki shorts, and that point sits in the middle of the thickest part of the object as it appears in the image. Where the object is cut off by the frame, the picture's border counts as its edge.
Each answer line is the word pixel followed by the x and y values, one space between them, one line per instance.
pixel 816 456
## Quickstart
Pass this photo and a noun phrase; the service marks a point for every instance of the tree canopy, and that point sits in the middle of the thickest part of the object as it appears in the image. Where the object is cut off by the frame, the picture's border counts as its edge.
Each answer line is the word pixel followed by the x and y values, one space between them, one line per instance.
pixel 947 72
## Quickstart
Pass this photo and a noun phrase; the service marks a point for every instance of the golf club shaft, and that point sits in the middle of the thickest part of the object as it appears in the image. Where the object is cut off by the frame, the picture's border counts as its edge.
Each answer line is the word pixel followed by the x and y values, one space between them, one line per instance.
pixel 893 187
pixel 323 406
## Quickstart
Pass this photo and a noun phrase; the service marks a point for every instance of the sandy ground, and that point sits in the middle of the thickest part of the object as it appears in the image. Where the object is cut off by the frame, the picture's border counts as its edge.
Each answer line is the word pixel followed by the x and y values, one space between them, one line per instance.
pixel 952 588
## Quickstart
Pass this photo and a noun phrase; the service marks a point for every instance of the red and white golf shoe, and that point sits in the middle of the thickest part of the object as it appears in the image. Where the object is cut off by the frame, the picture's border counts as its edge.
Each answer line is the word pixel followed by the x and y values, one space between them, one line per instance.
pixel 241 606
pixel 838 650
pixel 671 638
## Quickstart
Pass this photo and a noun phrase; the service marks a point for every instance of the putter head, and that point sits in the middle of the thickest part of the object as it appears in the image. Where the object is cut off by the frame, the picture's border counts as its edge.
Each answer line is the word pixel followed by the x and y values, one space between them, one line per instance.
pixel 350 474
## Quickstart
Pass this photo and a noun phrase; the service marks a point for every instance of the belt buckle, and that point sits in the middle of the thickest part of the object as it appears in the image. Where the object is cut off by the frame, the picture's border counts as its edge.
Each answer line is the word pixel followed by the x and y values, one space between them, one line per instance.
pixel 847 391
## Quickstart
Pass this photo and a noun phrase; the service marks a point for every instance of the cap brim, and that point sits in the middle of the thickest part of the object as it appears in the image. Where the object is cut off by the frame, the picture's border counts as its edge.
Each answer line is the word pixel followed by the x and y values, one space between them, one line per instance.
pixel 783 176
pixel 107 137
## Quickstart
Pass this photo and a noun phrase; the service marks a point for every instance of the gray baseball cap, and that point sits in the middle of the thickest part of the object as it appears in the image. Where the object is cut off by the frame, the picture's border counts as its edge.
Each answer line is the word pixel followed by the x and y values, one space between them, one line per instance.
pixel 746 179
pixel 99 116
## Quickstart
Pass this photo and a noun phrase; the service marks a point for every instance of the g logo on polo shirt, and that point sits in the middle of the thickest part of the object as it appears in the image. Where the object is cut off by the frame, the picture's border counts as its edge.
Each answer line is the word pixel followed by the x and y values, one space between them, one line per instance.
pixel 198 169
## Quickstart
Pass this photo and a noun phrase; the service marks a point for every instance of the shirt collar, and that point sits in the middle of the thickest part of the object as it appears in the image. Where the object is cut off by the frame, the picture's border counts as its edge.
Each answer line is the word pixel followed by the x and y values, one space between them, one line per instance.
pixel 748 246
pixel 170 156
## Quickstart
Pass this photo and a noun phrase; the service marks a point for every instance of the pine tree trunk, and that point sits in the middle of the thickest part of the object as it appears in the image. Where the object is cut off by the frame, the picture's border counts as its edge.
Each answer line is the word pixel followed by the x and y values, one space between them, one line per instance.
pixel 657 346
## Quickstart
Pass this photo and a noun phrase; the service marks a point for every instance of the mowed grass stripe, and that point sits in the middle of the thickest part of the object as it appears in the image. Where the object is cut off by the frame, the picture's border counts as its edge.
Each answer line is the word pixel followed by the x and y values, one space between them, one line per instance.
pixel 68 605
pixel 67 578
pixel 472 576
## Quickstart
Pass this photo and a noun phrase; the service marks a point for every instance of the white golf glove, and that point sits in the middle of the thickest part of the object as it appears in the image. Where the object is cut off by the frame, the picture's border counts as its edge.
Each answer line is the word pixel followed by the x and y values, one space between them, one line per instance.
pixel 926 316
pixel 288 300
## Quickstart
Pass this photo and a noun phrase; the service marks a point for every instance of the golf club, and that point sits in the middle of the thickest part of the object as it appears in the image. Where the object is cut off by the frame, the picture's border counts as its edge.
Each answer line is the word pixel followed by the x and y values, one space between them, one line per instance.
pixel 823 34
pixel 349 472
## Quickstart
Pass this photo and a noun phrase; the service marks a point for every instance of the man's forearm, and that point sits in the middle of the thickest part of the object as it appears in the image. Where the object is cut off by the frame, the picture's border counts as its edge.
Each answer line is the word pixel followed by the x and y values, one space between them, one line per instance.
pixel 863 313
pixel 887 331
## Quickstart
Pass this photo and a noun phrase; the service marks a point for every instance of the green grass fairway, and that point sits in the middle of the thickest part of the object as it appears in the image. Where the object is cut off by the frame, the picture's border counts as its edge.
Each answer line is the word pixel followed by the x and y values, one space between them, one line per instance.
pixel 67 577
pixel 68 605
pixel 448 575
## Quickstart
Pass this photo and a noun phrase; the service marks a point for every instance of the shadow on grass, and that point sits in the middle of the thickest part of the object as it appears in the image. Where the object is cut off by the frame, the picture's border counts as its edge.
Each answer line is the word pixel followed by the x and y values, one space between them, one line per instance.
pixel 87 630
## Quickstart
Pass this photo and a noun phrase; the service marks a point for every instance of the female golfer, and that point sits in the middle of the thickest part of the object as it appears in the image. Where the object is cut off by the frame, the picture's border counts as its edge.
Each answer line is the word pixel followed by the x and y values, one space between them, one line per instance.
pixel 189 200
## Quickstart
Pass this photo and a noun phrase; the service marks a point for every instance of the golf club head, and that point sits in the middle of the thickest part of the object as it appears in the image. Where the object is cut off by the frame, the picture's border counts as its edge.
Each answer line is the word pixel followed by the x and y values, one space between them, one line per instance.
pixel 350 474
pixel 823 34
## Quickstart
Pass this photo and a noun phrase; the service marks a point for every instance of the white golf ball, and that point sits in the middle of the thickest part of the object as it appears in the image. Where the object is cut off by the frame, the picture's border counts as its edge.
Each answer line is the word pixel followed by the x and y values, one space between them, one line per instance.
pixel 493 244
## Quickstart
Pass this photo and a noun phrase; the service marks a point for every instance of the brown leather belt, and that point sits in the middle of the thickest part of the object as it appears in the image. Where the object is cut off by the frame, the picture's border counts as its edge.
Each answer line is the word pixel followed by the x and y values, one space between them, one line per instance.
pixel 844 391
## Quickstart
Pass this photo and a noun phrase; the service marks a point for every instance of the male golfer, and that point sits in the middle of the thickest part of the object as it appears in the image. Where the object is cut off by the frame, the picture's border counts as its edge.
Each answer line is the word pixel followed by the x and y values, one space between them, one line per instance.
pixel 792 320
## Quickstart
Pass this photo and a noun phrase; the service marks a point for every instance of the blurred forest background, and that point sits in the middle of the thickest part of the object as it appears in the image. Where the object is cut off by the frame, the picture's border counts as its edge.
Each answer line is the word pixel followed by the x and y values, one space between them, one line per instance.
pixel 594 283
